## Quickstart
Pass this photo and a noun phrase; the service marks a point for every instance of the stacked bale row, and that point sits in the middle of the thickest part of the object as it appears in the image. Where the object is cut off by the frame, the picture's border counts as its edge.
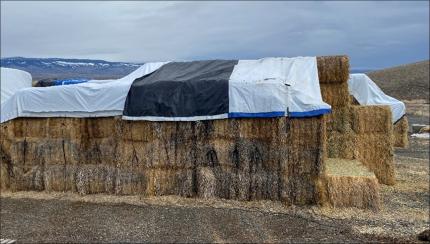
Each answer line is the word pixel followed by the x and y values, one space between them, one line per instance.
pixel 357 132
pixel 243 159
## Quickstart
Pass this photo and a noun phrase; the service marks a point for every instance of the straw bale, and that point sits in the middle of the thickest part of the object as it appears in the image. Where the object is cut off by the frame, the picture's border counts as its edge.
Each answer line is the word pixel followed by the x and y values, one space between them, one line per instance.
pixel 243 159
pixel 372 119
pixel 333 69
pixel 336 94
pixel 377 153
pixel 340 135
pixel 339 120
pixel 364 133
pixel 401 129
pixel 341 144
pixel 351 191
pixel 348 184
pixel 170 182
pixel 305 160
pixel 425 129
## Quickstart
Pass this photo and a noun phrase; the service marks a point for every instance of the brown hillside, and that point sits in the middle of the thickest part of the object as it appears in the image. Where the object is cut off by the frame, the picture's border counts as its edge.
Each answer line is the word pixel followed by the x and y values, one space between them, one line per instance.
pixel 406 82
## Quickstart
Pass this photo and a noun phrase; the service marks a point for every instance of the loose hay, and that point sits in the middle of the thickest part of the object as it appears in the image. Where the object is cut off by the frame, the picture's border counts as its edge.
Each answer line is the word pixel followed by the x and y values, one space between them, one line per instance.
pixel 333 69
pixel 401 129
pixel 243 159
pixel 348 184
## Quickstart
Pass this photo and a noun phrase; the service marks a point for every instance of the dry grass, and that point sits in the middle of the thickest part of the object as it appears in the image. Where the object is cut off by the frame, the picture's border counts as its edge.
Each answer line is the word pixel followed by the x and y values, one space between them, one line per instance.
pixel 406 82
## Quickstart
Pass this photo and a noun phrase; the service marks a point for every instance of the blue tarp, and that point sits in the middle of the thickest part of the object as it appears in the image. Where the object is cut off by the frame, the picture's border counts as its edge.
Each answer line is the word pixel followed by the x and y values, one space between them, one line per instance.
pixel 69 82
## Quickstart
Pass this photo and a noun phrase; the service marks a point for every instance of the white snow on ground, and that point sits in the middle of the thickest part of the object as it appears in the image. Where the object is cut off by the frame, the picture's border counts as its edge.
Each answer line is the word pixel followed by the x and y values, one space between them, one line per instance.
pixel 421 135
pixel 62 63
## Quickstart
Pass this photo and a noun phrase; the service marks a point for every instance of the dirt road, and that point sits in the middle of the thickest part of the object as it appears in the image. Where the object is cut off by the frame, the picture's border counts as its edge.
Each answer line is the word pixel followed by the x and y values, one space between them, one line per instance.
pixel 65 221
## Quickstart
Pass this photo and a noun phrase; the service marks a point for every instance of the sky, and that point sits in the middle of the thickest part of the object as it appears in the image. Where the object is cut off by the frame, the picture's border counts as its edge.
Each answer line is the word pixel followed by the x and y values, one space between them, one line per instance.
pixel 373 34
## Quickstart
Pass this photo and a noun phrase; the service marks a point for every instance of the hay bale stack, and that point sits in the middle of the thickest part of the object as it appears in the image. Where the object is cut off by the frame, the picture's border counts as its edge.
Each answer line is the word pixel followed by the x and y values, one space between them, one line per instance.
pixel 374 140
pixel 357 132
pixel 346 183
pixel 333 73
pixel 242 159
pixel 334 90
pixel 401 128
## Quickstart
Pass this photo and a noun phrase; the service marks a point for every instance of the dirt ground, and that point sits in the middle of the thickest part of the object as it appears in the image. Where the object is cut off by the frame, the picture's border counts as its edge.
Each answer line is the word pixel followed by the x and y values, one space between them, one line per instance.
pixel 68 217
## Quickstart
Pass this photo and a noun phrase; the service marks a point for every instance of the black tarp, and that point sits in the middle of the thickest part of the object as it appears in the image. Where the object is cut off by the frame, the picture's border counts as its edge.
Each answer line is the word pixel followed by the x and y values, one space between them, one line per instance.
pixel 46 82
pixel 182 89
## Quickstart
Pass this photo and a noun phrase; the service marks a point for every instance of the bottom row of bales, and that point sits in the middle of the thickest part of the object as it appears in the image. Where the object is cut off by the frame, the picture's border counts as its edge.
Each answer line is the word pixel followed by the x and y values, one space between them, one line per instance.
pixel 243 159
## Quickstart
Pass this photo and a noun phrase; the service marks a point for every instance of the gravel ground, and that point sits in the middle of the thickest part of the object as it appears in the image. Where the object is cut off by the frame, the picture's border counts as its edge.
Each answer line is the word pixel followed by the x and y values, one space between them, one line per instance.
pixel 68 217
pixel 30 220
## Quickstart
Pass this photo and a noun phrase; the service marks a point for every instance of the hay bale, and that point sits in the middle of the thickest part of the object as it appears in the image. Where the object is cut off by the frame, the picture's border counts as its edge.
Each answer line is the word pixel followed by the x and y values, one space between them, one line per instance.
pixel 333 69
pixel 340 135
pixel 375 140
pixel 336 94
pixel 377 153
pixel 364 133
pixel 243 159
pixel 341 144
pixel 401 129
pixel 372 119
pixel 347 183
pixel 425 129
pixel 339 120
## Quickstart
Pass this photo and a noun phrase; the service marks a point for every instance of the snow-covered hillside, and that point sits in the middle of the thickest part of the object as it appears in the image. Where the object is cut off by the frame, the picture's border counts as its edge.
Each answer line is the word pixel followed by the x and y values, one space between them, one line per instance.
pixel 69 68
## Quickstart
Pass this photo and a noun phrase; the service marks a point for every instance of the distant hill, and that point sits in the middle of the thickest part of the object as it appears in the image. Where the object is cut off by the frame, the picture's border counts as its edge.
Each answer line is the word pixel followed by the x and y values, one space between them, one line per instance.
pixel 406 82
pixel 41 68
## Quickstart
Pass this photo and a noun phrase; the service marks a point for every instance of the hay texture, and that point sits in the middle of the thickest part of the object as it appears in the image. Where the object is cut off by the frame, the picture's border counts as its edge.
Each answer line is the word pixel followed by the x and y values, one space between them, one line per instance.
pixel 336 94
pixel 401 129
pixel 357 132
pixel 346 183
pixel 333 69
pixel 374 140
pixel 243 159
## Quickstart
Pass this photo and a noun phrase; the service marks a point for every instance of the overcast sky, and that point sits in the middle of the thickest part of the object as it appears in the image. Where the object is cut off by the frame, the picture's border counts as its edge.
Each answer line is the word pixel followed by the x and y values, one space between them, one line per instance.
pixel 373 34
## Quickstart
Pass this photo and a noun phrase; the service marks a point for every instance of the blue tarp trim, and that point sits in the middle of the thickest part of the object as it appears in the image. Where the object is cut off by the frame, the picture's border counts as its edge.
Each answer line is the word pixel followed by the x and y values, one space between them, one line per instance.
pixel 69 82
pixel 257 115
pixel 310 113
pixel 280 114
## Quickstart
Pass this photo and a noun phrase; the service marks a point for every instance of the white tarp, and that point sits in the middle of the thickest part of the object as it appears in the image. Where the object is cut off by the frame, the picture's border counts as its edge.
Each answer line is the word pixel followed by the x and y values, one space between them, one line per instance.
pixel 366 92
pixel 90 99
pixel 268 87
pixel 13 80
pixel 277 84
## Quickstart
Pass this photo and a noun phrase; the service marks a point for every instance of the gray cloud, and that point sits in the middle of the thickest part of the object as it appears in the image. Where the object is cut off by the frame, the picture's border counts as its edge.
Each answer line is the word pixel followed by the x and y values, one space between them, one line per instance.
pixel 373 34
